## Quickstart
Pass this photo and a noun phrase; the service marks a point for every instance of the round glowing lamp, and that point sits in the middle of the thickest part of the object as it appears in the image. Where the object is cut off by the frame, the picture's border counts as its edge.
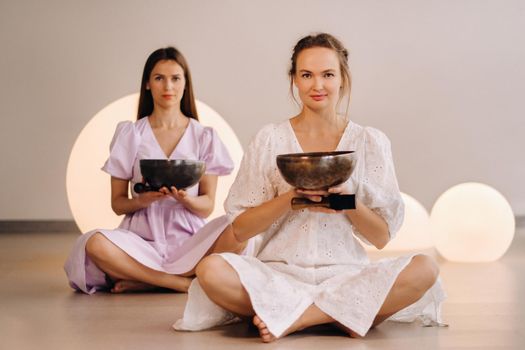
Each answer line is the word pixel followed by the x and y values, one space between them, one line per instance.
pixel 415 233
pixel 472 222
pixel 88 187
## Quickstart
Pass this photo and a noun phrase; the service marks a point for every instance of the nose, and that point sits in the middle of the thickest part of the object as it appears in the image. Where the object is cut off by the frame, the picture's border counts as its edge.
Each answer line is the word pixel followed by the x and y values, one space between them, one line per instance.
pixel 318 84
pixel 168 85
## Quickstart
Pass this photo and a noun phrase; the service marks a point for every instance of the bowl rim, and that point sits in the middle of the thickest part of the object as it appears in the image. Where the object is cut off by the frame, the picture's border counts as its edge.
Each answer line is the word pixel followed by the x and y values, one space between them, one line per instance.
pixel 306 155
pixel 171 161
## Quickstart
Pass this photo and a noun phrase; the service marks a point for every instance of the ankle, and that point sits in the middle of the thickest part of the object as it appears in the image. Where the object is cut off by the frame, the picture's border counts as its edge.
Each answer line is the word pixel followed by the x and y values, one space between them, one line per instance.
pixel 179 283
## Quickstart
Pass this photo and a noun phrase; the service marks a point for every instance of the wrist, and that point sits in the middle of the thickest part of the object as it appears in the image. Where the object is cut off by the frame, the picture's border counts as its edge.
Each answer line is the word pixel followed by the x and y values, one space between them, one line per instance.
pixel 187 202
pixel 287 198
pixel 351 213
pixel 140 202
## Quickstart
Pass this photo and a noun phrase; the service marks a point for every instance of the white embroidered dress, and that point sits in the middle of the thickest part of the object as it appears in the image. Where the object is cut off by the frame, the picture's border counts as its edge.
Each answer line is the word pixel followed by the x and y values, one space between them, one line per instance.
pixel 314 258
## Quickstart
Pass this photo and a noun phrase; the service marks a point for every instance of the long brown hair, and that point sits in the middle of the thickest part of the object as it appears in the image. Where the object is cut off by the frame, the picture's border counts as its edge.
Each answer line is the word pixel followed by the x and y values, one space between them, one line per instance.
pixel 187 104
pixel 330 42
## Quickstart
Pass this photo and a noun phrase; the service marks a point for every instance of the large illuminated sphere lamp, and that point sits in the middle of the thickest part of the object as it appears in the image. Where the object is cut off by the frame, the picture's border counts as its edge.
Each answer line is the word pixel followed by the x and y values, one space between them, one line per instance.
pixel 88 187
pixel 415 233
pixel 472 222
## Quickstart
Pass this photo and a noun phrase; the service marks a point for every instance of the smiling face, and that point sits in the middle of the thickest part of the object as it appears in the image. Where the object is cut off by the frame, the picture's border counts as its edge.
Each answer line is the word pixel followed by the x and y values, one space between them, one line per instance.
pixel 166 83
pixel 318 78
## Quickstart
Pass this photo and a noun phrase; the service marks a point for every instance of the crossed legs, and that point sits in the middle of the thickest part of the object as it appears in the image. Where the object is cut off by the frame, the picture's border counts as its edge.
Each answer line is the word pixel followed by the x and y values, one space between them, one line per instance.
pixel 130 275
pixel 222 285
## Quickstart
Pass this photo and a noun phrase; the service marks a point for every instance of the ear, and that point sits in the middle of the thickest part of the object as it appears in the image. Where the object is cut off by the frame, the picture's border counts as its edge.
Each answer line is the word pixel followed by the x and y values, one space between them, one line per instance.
pixel 147 86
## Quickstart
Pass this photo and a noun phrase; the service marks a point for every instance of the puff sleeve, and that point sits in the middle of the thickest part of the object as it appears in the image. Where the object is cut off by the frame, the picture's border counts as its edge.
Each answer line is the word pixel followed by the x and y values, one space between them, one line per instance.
pixel 214 153
pixel 378 188
pixel 252 186
pixel 123 151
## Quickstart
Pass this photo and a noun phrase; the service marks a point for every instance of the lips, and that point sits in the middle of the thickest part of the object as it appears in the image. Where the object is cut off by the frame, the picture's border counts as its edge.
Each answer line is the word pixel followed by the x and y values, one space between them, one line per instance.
pixel 167 97
pixel 318 97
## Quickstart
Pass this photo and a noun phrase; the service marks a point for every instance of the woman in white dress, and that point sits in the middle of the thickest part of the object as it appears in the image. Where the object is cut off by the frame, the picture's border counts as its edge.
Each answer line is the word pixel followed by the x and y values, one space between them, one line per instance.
pixel 311 268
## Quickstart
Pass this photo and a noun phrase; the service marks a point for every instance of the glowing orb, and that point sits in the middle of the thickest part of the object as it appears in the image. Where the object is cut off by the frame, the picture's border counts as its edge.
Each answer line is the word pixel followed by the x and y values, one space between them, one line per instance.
pixel 472 222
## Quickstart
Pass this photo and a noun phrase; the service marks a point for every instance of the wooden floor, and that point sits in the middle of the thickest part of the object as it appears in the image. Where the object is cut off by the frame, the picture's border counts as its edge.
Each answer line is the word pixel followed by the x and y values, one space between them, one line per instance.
pixel 485 310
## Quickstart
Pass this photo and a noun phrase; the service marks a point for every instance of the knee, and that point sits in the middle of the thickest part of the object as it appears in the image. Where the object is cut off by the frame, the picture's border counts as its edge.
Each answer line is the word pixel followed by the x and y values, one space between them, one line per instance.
pixel 427 272
pixel 208 271
pixel 97 246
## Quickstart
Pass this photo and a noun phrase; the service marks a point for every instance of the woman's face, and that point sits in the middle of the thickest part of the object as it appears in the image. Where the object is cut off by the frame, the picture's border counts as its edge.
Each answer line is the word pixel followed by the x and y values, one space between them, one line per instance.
pixel 166 83
pixel 318 78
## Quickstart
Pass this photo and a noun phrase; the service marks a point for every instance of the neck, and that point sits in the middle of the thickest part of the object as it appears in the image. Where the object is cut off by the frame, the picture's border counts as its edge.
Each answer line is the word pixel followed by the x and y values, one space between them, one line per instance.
pixel 167 117
pixel 322 119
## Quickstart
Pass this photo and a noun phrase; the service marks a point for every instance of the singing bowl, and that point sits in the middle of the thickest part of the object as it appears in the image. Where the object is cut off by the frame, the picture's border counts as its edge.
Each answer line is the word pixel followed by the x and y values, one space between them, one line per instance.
pixel 316 170
pixel 181 173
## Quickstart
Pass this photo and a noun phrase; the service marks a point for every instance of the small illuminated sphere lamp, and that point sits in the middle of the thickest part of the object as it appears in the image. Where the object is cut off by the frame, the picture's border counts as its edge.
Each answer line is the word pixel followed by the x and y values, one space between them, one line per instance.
pixel 88 187
pixel 415 233
pixel 472 222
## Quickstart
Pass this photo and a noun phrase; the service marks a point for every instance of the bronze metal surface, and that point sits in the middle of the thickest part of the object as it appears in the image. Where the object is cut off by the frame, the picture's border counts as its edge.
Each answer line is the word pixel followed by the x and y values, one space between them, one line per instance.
pixel 181 173
pixel 317 170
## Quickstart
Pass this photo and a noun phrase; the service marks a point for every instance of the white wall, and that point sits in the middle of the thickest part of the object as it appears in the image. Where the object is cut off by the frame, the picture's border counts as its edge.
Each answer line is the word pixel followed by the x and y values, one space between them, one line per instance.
pixel 444 79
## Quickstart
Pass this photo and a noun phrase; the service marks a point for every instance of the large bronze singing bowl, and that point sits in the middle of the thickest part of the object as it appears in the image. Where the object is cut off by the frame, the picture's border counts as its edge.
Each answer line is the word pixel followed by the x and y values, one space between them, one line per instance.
pixel 318 170
pixel 181 173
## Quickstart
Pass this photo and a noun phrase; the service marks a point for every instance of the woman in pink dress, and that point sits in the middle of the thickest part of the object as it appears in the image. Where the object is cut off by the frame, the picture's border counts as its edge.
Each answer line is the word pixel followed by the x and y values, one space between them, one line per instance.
pixel 163 234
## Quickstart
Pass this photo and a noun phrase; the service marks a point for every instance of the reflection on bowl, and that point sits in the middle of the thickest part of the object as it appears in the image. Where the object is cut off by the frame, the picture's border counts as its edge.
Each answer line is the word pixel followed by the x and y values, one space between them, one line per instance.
pixel 181 173
pixel 316 170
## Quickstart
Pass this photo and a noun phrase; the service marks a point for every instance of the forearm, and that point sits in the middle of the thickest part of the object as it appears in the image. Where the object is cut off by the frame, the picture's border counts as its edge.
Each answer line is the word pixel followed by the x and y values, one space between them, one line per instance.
pixel 256 220
pixel 369 224
pixel 123 205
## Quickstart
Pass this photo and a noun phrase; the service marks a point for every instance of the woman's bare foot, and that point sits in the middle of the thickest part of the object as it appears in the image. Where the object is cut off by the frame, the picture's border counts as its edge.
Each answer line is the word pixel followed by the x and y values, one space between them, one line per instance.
pixel 268 337
pixel 264 333
pixel 124 286
pixel 176 283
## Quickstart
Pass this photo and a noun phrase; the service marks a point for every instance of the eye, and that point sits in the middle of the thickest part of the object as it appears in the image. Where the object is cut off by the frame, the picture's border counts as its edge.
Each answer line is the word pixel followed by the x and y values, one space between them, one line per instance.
pixel 329 75
pixel 306 75
pixel 158 78
pixel 176 78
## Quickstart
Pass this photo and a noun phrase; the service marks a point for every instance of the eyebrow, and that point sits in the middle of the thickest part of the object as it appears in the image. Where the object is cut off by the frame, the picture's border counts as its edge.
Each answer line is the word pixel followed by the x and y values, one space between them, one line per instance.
pixel 325 71
pixel 162 75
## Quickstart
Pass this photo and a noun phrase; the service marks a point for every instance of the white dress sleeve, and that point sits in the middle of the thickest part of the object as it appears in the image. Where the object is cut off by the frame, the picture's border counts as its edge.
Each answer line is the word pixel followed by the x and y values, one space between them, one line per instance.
pixel 378 188
pixel 252 186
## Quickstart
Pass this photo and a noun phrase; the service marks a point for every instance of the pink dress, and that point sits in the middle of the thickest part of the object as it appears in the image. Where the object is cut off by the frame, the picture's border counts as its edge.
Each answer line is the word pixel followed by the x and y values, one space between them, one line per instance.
pixel 164 236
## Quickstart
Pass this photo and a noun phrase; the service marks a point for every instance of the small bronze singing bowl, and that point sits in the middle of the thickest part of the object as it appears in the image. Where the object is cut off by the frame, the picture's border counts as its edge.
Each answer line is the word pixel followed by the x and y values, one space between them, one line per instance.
pixel 158 173
pixel 316 170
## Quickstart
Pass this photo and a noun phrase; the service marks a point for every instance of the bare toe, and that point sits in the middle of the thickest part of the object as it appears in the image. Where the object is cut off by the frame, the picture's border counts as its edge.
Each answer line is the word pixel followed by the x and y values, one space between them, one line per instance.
pixel 117 287
pixel 264 333
pixel 124 286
